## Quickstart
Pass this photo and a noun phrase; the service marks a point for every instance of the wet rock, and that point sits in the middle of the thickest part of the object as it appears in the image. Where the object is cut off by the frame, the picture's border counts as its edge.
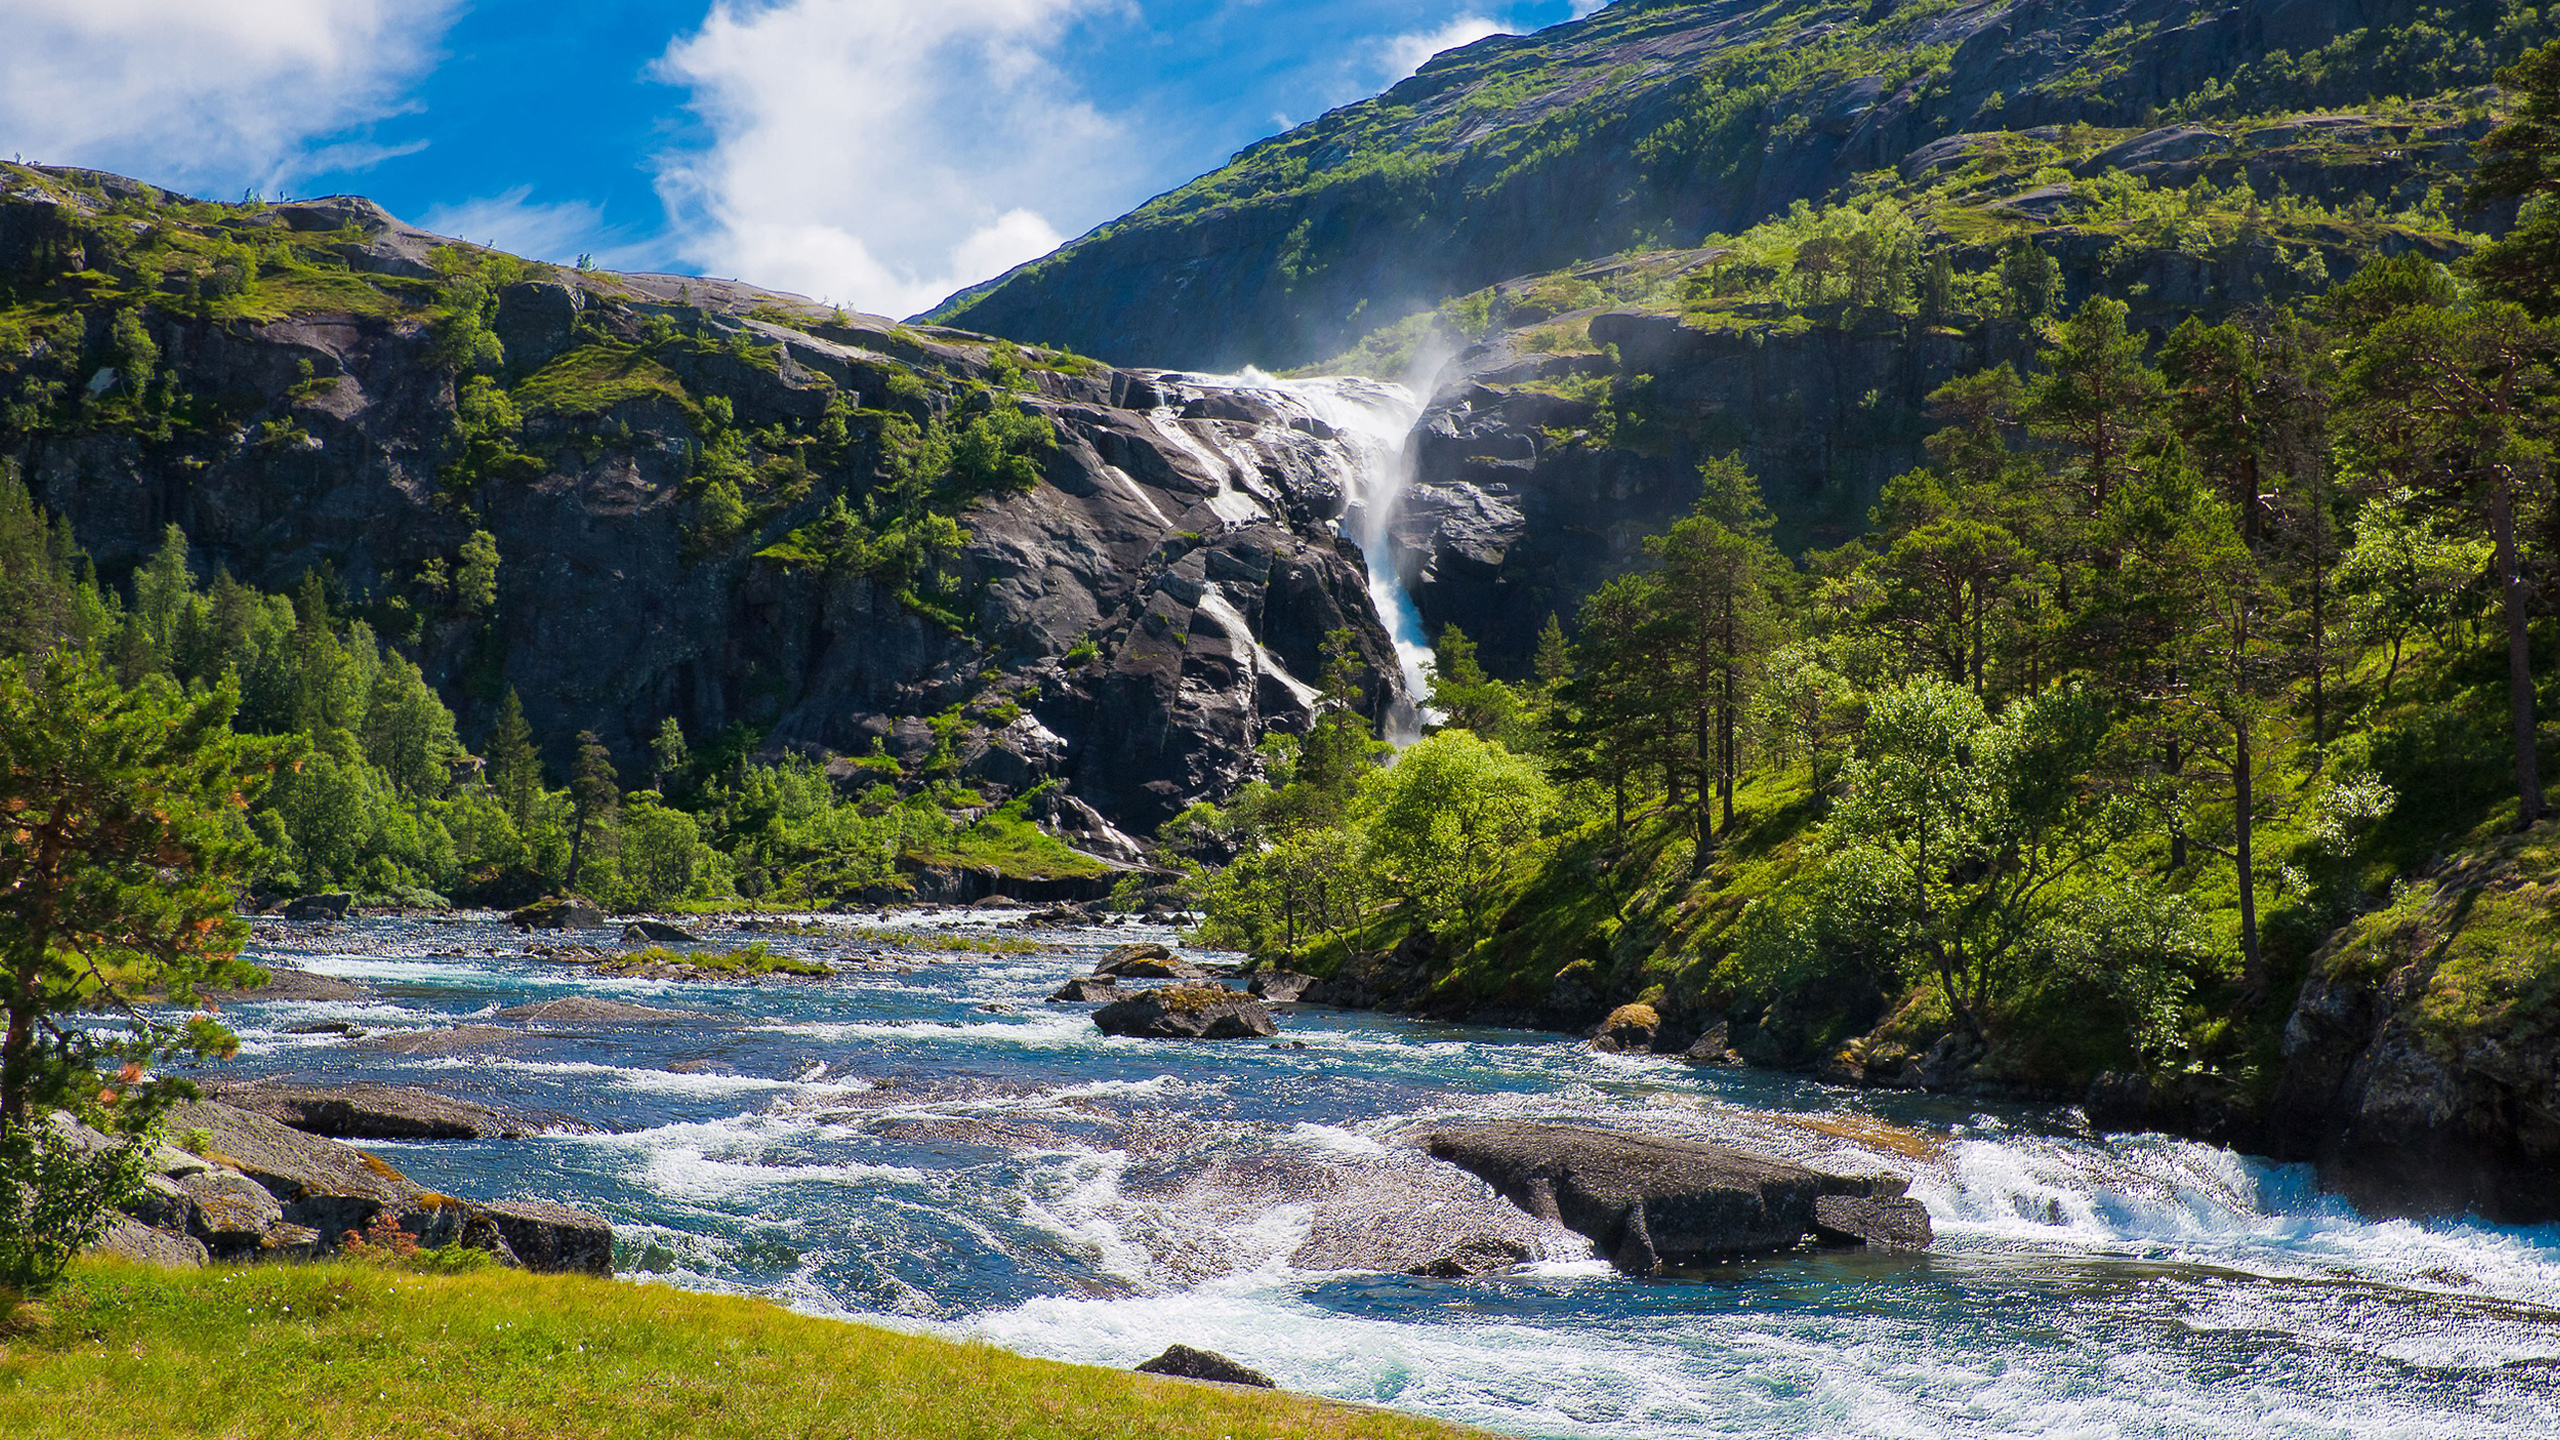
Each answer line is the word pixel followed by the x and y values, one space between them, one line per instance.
pixel 1629 1029
pixel 557 914
pixel 325 1027
pixel 1281 986
pixel 1146 962
pixel 1184 1363
pixel 454 1040
pixel 1086 989
pixel 1714 1046
pixel 313 908
pixel 552 1237
pixel 1415 1218
pixel 1476 1256
pixel 1648 1203
pixel 644 932
pixel 285 983
pixel 372 1112
pixel 588 1010
pixel 1187 1012
pixel 1886 1222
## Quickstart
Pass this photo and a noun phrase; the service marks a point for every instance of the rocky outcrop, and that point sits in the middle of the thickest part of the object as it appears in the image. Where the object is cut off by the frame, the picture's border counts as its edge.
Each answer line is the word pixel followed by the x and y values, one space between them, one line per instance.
pixel 556 914
pixel 286 983
pixel 1280 986
pixel 1148 610
pixel 1184 1363
pixel 1628 1030
pixel 1652 1204
pixel 2422 1067
pixel 1186 1012
pixel 651 932
pixel 1147 961
pixel 372 1112
pixel 1087 990
pixel 312 908
pixel 589 1010
pixel 254 1188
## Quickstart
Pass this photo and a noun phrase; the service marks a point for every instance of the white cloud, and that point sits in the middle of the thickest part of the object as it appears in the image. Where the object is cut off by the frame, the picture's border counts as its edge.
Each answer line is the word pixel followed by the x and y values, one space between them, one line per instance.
pixel 511 220
pixel 1585 9
pixel 884 153
pixel 204 92
pixel 1401 55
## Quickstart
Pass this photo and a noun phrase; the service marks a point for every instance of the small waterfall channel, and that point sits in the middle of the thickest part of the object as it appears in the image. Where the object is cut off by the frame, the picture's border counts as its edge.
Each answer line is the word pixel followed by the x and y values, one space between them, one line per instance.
pixel 1371 424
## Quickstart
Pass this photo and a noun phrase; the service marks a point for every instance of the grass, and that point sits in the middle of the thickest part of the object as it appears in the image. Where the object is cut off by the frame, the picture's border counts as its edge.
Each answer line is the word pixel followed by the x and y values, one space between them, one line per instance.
pixel 970 944
pixel 594 378
pixel 757 959
pixel 361 1351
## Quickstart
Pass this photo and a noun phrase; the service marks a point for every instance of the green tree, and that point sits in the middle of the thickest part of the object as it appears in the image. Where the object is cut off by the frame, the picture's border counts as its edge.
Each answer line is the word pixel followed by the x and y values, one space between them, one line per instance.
pixel 595 797
pixel 475 580
pixel 1716 598
pixel 2520 161
pixel 1466 697
pixel 118 853
pixel 667 753
pixel 515 768
pixel 1448 822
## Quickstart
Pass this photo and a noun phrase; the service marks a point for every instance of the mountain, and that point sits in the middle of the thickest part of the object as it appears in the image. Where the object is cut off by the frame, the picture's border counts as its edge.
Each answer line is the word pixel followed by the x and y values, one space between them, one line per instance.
pixel 1654 125
pixel 909 551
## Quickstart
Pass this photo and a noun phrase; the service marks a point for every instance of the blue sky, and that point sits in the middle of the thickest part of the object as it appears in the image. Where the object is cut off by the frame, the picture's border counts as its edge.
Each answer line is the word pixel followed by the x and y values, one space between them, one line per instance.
pixel 877 153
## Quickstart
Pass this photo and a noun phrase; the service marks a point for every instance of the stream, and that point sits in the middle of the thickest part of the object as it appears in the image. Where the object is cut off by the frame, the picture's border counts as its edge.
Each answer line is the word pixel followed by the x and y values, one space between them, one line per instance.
pixel 923 1142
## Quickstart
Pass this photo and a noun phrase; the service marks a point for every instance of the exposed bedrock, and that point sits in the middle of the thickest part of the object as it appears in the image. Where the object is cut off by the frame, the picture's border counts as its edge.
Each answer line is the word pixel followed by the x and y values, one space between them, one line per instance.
pixel 1652 1204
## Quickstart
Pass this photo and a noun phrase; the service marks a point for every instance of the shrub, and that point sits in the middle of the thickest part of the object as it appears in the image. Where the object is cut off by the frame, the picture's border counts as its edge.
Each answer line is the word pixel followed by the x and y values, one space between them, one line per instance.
pixel 58 1196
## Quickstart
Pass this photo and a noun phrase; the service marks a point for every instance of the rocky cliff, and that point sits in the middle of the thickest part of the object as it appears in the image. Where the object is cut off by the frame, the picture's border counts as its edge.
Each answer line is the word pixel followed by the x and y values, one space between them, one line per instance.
pixel 2421 1072
pixel 708 501
pixel 1655 124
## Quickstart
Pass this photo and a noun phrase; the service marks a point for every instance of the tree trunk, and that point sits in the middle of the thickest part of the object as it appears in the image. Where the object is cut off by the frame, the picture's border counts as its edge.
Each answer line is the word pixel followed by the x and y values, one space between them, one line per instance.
pixel 2511 599
pixel 2244 834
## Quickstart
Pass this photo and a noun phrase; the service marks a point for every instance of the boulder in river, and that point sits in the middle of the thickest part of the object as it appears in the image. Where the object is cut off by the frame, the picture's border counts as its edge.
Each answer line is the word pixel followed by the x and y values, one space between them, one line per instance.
pixel 588 1010
pixel 314 908
pixel 1146 962
pixel 1878 1222
pixel 286 983
pixel 553 1237
pixel 1650 1203
pixel 447 1040
pixel 1714 1046
pixel 372 1112
pixel 1085 989
pixel 1184 1363
pixel 558 914
pixel 1281 986
pixel 1629 1030
pixel 653 932
pixel 1187 1012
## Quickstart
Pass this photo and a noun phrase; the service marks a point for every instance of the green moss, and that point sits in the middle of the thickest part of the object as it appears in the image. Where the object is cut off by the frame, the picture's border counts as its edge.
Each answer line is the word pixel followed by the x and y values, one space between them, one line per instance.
pixel 756 959
pixel 595 377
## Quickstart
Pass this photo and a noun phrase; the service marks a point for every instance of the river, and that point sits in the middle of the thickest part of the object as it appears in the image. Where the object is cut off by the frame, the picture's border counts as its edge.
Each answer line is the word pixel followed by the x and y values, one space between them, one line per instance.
pixel 923 1142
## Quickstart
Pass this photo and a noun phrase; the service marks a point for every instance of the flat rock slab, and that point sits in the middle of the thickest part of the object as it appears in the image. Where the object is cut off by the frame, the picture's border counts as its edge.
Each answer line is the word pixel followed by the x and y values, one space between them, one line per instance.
pixel 1184 1363
pixel 289 984
pixel 586 1010
pixel 552 1237
pixel 1888 1222
pixel 373 1112
pixel 1649 1203
pixel 1187 1012
pixel 316 1182
pixel 1417 1218
pixel 453 1040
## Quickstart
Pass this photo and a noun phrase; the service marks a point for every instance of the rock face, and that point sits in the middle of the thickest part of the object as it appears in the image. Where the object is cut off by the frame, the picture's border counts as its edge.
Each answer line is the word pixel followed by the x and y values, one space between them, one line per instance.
pixel 1185 1363
pixel 1187 1012
pixel 1651 1204
pixel 1152 607
pixel 2422 1071
pixel 372 1112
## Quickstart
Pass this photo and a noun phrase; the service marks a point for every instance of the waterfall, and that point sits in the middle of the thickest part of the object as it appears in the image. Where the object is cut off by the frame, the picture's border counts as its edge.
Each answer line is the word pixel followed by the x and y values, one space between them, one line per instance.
pixel 1373 422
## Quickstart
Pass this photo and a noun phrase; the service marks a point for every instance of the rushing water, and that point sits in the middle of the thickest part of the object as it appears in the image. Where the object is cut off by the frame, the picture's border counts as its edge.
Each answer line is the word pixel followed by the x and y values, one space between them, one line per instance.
pixel 923 1142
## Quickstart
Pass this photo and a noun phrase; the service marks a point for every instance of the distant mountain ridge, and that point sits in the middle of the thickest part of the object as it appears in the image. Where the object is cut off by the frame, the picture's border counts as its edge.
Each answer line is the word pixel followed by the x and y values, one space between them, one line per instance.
pixel 1652 125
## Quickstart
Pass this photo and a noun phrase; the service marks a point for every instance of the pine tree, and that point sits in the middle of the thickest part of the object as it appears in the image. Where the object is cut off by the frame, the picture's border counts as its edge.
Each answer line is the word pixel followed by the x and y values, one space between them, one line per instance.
pixel 515 770
pixel 595 795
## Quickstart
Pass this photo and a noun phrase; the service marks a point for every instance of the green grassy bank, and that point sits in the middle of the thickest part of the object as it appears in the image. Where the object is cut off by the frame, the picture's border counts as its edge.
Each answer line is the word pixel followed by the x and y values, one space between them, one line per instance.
pixel 363 1351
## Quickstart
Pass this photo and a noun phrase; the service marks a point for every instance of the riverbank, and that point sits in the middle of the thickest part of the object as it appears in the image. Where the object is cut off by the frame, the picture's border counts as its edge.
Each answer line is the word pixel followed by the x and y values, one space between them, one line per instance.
pixel 361 1351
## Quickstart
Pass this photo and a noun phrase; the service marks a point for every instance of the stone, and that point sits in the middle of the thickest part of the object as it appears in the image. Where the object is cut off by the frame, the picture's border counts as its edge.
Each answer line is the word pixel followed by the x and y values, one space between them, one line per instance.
pixel 1184 1363
pixel 556 914
pixel 314 1181
pixel 1187 1012
pixel 1714 1046
pixel 313 908
pixel 1479 1255
pixel 1146 961
pixel 231 1213
pixel 1086 989
pixel 286 983
pixel 447 1040
pixel 589 1010
pixel 371 1112
pixel 132 1240
pixel 651 932
pixel 1629 1029
pixel 551 1237
pixel 1648 1203
pixel 1411 1216
pixel 1280 986
pixel 1885 1222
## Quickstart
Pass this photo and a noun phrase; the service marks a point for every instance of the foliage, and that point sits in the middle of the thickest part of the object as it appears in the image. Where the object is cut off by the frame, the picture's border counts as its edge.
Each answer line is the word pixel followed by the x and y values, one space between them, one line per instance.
pixel 58 1196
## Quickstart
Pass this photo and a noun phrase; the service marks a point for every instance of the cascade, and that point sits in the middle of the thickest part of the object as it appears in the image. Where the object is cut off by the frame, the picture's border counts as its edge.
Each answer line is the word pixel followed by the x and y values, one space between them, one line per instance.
pixel 1372 422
